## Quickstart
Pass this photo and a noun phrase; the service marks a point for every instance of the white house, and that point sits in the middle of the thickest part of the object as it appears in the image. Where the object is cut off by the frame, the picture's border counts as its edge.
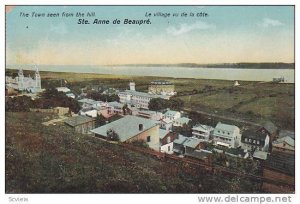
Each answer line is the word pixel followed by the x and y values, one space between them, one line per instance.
pixel 89 112
pixel 172 115
pixel 227 135
pixel 166 124
pixel 202 132
pixel 181 121
pixel 63 89
pixel 166 141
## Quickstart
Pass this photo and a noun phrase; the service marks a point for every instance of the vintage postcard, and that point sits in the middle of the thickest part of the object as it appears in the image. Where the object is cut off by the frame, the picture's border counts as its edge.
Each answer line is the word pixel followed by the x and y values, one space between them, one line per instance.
pixel 150 99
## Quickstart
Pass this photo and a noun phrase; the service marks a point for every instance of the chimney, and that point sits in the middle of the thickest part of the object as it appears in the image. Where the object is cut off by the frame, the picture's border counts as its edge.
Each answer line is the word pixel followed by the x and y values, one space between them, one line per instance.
pixel 141 127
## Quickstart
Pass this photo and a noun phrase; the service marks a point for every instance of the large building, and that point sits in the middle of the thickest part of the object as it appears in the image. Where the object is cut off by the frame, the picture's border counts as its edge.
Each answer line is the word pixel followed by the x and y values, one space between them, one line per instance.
pixel 23 83
pixel 162 87
pixel 136 98
pixel 132 128
pixel 227 135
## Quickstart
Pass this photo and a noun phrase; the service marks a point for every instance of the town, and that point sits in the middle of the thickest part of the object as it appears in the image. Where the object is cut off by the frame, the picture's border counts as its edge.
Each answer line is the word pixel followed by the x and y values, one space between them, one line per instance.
pixel 155 123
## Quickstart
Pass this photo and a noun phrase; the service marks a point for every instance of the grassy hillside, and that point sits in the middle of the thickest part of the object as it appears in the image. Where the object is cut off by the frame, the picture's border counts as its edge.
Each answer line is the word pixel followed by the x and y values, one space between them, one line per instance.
pixel 53 159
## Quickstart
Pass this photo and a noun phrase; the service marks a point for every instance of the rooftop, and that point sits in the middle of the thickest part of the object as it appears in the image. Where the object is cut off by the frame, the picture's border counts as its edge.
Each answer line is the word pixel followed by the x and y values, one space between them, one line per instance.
pixel 270 127
pixel 290 141
pixel 252 134
pixel 160 82
pixel 126 127
pixel 143 94
pixel 183 120
pixel 203 128
pixel 78 120
pixel 260 155
pixel 162 133
pixel 229 128
pixel 284 133
pixel 192 142
pixel 180 140
pixel 171 112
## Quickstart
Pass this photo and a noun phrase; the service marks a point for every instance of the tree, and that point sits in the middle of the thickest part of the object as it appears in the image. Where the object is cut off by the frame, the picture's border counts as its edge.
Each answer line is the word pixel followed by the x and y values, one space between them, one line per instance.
pixel 156 104
pixel 175 104
pixel 112 135
pixel 100 120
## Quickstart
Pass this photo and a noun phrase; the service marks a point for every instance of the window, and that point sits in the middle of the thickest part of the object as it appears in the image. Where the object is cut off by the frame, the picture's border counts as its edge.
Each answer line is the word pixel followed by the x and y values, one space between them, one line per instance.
pixel 246 140
pixel 148 139
pixel 169 139
pixel 258 142
pixel 169 148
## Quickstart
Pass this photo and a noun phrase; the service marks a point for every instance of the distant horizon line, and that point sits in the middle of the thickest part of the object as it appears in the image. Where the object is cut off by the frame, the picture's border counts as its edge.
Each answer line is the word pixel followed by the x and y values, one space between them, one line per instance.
pixel 156 64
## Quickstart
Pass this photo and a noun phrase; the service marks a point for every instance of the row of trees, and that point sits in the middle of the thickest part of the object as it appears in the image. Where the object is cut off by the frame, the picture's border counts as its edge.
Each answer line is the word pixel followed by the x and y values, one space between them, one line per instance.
pixel 48 99
pixel 102 97
pixel 157 104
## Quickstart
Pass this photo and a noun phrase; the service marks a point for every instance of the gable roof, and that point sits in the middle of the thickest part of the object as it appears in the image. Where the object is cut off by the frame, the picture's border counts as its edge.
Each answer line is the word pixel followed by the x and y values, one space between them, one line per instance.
pixel 163 133
pixel 183 120
pixel 284 133
pixel 192 142
pixel 290 141
pixel 126 127
pixel 78 120
pixel 226 127
pixel 171 112
pixel 251 134
pixel 203 128
pixel 270 127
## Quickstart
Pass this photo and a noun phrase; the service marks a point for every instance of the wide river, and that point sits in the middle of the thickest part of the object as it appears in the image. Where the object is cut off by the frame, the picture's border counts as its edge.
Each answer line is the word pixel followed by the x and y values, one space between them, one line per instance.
pixel 178 72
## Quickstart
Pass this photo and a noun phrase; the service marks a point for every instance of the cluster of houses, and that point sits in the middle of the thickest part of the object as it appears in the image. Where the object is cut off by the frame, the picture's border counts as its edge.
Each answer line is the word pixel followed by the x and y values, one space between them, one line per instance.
pixel 276 149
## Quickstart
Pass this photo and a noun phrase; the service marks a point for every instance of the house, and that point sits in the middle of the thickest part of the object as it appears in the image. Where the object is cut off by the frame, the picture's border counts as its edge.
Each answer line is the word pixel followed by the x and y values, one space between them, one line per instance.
pixel 279 167
pixel 270 129
pixel 227 135
pixel 285 144
pixel 181 121
pixel 136 98
pixel 202 132
pixel 87 102
pixel 166 139
pixel 161 87
pixel 63 89
pixel 114 108
pixel 70 95
pixel 190 144
pixel 260 155
pixel 89 112
pixel 284 133
pixel 81 124
pixel 166 124
pixel 132 128
pixel 172 115
pixel 255 140
pixel 178 147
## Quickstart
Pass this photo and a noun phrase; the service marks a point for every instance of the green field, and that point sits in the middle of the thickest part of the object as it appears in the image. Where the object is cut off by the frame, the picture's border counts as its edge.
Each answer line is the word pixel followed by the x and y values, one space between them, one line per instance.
pixel 254 101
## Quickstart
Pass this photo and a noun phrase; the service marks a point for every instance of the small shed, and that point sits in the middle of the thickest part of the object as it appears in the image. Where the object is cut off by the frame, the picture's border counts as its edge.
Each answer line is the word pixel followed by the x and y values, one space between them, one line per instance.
pixel 81 124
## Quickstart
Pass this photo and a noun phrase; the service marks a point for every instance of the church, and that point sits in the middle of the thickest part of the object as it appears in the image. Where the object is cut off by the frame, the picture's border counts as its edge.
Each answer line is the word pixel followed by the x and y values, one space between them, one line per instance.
pixel 23 83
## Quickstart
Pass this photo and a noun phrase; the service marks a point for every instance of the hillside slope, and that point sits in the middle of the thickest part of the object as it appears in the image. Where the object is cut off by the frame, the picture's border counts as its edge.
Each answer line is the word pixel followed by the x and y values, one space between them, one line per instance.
pixel 53 159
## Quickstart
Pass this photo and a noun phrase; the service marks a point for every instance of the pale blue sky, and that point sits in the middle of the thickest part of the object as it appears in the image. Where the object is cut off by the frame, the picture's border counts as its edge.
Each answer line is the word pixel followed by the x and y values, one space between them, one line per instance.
pixel 229 34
